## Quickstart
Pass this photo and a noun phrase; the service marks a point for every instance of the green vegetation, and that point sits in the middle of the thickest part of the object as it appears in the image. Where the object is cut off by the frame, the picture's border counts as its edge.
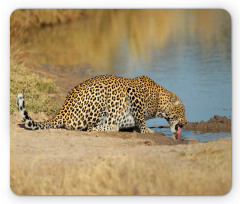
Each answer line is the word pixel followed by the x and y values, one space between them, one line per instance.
pixel 37 90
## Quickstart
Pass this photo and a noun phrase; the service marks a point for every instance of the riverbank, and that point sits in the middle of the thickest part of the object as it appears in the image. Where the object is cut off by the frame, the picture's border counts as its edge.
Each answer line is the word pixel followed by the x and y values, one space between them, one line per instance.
pixel 214 125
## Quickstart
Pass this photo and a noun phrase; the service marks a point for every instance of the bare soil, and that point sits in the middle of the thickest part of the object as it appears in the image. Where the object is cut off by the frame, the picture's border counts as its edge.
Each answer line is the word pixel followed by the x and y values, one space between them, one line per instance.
pixel 69 144
pixel 132 138
pixel 61 145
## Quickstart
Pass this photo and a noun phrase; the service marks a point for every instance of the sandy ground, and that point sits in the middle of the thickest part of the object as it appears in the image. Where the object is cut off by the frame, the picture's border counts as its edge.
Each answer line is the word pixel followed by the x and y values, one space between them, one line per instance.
pixel 62 144
pixel 65 144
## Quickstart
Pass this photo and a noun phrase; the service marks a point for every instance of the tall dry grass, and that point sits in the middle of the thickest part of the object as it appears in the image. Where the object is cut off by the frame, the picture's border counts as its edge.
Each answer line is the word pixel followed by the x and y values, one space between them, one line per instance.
pixel 24 21
pixel 206 171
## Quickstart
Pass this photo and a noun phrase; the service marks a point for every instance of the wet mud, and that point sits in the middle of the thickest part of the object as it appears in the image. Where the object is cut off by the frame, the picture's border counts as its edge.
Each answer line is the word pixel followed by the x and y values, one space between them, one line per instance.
pixel 145 139
pixel 214 125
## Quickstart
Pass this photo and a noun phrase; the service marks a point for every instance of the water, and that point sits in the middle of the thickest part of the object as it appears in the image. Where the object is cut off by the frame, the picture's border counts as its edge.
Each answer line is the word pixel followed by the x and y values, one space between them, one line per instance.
pixel 195 135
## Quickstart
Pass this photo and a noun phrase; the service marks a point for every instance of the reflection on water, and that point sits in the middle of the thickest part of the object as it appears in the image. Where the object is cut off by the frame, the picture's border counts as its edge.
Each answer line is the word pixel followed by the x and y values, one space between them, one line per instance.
pixel 186 51
pixel 196 135
pixel 103 37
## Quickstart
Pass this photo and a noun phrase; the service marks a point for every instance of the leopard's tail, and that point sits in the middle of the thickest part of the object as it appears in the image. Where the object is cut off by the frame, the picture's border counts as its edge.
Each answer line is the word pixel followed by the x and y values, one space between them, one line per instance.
pixel 31 124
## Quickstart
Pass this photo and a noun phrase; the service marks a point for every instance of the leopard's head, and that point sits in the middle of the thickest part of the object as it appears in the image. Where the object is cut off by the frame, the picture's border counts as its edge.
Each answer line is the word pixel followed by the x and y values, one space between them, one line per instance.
pixel 173 110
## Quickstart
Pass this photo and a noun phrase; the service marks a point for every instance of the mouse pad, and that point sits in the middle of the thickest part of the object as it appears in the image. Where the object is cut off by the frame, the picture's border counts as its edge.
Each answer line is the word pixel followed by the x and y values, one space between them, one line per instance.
pixel 120 102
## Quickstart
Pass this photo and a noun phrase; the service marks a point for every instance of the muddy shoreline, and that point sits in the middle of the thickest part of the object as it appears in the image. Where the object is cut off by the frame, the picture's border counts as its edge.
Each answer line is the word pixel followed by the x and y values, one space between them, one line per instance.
pixel 214 125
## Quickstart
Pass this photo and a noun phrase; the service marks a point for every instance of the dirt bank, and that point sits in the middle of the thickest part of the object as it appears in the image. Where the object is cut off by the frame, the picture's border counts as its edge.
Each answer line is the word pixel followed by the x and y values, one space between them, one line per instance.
pixel 134 138
pixel 215 124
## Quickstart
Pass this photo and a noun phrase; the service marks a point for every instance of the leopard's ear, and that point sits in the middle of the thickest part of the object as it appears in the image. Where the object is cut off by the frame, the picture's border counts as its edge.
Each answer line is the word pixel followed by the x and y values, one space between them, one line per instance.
pixel 174 98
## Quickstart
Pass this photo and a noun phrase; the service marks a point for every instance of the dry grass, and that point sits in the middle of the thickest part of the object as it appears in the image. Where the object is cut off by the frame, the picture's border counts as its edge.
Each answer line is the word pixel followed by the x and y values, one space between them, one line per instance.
pixel 26 20
pixel 201 172
pixel 37 90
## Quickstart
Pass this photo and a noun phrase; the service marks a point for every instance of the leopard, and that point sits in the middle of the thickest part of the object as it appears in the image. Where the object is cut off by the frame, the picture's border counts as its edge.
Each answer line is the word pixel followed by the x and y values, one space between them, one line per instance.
pixel 111 103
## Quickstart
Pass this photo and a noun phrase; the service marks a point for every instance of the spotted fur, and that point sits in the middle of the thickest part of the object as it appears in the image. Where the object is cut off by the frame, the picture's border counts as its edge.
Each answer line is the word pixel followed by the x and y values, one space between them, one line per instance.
pixel 109 103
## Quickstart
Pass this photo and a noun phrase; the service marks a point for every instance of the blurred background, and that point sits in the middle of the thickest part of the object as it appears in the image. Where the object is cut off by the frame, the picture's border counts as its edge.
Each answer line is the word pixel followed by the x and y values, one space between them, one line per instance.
pixel 185 51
